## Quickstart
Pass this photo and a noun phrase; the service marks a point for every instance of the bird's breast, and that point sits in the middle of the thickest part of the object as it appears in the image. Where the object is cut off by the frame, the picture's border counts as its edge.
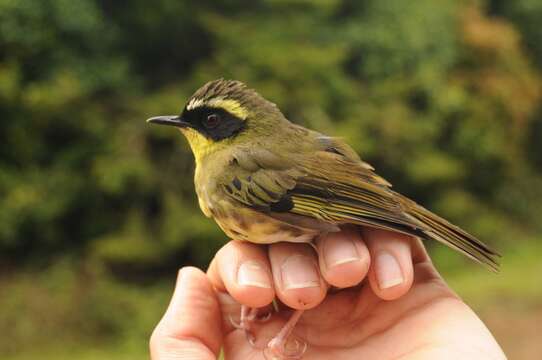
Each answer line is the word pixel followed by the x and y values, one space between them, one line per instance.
pixel 249 225
pixel 237 220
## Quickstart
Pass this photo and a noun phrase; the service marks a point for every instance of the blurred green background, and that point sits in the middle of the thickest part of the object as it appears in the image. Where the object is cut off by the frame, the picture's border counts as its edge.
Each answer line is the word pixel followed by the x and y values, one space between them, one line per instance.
pixel 97 209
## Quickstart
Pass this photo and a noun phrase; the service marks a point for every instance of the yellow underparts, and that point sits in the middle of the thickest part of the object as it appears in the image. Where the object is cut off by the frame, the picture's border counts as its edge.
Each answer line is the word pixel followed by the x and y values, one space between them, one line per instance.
pixel 200 145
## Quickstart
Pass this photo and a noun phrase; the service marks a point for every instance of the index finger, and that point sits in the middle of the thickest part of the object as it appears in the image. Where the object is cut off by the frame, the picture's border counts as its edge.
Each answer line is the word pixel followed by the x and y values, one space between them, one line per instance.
pixel 242 269
pixel 190 326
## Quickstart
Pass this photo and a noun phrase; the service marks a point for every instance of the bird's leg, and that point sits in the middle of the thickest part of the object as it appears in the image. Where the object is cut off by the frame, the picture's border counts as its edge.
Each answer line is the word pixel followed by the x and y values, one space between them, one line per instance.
pixel 248 317
pixel 245 322
pixel 277 347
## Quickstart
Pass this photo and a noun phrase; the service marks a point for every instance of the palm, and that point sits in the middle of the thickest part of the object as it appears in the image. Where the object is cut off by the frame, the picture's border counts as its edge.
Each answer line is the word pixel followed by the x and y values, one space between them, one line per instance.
pixel 428 322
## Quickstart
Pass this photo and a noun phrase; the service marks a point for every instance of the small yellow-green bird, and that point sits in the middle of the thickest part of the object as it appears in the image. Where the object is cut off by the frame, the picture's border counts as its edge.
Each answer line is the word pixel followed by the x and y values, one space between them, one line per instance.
pixel 264 179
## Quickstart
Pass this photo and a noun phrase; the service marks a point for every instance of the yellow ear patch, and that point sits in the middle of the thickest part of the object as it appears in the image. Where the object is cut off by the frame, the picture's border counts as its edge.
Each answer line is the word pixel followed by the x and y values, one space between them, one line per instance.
pixel 229 105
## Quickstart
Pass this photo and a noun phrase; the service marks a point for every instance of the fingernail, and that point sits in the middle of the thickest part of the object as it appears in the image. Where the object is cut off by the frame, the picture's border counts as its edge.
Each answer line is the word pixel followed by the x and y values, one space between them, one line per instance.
pixel 388 271
pixel 252 273
pixel 299 272
pixel 339 251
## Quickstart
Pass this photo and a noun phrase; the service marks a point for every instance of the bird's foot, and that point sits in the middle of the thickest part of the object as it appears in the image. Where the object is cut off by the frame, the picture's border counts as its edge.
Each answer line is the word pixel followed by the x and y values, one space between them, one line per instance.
pixel 248 317
pixel 282 347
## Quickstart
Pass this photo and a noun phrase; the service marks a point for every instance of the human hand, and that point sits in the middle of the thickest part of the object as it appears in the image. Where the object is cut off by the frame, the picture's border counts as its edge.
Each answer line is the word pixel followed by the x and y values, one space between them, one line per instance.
pixel 403 312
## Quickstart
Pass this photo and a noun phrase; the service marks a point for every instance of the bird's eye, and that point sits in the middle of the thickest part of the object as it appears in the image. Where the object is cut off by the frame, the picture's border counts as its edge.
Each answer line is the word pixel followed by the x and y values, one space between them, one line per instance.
pixel 212 121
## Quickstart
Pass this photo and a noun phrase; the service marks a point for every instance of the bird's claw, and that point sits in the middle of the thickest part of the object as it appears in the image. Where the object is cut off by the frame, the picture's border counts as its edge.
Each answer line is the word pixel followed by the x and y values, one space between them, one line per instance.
pixel 235 324
pixel 264 318
pixel 277 349
pixel 248 317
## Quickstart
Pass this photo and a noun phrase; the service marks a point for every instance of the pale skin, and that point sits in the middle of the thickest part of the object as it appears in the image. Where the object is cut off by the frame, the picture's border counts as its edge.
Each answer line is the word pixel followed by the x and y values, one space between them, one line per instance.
pixel 396 305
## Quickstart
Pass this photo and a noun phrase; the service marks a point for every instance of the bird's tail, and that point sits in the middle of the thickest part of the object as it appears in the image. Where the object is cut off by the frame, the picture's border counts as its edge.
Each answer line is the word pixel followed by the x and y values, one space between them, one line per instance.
pixel 438 229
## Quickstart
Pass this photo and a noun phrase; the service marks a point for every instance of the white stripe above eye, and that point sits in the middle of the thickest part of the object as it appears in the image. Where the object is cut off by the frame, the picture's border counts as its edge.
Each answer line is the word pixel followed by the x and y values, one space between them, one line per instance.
pixel 194 103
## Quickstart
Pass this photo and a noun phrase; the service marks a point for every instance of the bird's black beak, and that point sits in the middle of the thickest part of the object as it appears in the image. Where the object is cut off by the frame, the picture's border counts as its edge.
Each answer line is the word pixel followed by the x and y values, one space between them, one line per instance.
pixel 172 120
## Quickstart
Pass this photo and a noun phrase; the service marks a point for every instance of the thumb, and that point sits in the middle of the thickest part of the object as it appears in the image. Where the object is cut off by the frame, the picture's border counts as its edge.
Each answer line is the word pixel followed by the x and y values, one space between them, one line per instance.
pixel 191 326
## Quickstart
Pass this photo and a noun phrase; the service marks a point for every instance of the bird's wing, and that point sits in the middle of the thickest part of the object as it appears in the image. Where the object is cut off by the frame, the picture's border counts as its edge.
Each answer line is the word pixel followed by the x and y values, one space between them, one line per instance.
pixel 339 190
pixel 260 179
pixel 327 186
pixel 332 186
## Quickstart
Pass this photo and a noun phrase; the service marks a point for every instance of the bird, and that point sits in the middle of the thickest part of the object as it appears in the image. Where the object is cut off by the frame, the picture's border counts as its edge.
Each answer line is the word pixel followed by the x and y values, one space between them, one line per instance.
pixel 264 179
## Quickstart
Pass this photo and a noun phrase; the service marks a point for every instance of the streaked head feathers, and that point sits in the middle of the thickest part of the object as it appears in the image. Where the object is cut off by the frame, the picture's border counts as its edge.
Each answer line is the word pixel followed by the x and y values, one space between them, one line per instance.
pixel 230 95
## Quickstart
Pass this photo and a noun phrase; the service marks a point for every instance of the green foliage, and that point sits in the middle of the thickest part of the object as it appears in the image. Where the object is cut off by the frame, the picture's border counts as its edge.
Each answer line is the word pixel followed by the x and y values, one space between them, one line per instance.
pixel 442 97
pixel 73 307
pixel 439 98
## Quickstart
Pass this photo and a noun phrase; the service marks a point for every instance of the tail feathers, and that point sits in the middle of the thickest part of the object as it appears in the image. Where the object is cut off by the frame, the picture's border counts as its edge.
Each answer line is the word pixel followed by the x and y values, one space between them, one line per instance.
pixel 438 229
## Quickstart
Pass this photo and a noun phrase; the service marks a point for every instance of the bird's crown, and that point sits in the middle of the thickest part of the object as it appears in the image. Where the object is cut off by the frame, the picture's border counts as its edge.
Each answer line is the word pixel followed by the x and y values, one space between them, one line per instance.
pixel 230 95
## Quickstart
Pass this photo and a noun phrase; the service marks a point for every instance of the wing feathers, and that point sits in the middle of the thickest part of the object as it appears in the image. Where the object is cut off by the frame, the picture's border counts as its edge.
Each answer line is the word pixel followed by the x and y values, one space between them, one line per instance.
pixel 441 230
pixel 338 189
